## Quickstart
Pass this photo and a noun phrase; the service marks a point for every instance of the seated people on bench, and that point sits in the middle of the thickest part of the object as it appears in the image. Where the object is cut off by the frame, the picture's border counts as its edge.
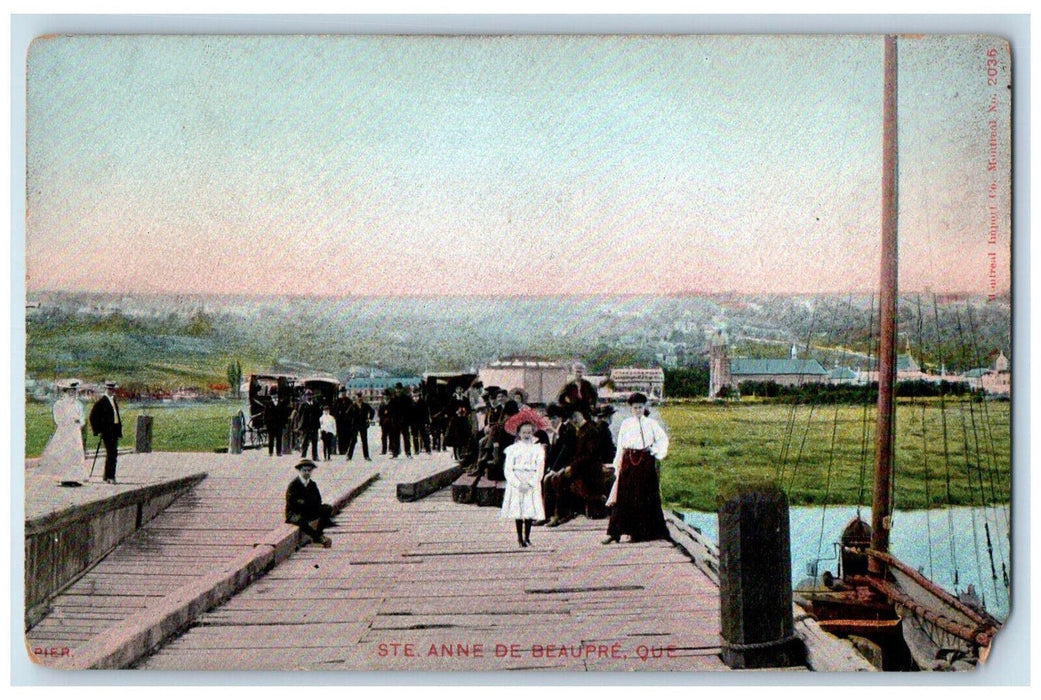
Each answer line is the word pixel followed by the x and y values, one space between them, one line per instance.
pixel 581 484
pixel 304 506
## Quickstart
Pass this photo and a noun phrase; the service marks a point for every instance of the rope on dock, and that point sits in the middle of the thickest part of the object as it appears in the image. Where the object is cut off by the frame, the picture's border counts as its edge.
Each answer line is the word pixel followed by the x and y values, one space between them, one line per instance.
pixel 749 646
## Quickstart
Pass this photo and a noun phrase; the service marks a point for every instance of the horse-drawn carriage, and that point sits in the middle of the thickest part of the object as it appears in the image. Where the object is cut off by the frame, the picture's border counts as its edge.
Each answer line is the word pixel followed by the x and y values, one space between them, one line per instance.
pixel 290 390
pixel 261 388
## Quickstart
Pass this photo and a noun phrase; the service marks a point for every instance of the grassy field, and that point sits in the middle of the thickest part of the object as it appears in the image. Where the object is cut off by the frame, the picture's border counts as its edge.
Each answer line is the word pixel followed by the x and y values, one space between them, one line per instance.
pixel 824 454
pixel 175 428
pixel 818 456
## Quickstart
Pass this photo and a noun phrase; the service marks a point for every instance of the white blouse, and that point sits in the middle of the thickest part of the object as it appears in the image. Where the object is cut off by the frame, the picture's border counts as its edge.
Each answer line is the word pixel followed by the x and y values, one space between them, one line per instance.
pixel 641 433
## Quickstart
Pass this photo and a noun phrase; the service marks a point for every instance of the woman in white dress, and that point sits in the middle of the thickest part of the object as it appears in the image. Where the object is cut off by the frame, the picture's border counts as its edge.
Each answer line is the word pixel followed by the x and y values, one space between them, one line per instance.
pixel 524 468
pixel 62 458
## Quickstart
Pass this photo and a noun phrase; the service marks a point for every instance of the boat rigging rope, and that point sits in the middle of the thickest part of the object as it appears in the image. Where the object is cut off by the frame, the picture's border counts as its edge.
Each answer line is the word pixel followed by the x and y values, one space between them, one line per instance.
pixel 979 477
pixel 925 444
pixel 789 430
pixel 831 457
pixel 865 431
pixel 992 452
pixel 946 448
pixel 816 399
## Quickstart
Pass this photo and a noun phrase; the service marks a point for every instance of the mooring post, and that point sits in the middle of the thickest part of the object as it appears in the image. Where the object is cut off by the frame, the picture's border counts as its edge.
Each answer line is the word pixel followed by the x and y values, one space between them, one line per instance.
pixel 235 434
pixel 143 436
pixel 756 624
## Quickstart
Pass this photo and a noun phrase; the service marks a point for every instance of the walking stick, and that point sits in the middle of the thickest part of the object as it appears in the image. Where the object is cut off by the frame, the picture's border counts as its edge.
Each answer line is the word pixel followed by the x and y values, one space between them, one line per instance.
pixel 92 464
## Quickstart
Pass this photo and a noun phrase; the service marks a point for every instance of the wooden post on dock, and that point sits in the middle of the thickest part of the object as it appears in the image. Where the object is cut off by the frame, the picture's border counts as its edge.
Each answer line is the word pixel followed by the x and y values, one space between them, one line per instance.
pixel 143 436
pixel 235 434
pixel 756 624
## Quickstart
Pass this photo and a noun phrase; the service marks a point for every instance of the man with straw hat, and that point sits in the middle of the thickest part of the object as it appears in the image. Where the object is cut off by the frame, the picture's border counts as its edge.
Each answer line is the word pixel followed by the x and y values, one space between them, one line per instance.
pixel 106 423
pixel 304 506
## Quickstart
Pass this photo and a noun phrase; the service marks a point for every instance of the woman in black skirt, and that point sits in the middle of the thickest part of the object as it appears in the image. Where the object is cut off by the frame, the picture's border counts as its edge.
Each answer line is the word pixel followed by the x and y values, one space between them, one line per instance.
pixel 635 499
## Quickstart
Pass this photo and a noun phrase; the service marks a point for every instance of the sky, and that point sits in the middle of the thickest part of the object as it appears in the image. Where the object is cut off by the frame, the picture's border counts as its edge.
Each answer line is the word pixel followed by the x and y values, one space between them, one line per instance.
pixel 356 165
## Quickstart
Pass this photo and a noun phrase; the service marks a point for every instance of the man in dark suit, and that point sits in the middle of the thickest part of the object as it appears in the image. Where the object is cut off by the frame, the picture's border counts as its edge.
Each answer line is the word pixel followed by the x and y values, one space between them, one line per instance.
pixel 420 423
pixel 581 483
pixel 603 423
pixel 342 409
pixel 360 415
pixel 304 506
pixel 105 421
pixel 309 419
pixel 275 415
pixel 578 393
pixel 400 416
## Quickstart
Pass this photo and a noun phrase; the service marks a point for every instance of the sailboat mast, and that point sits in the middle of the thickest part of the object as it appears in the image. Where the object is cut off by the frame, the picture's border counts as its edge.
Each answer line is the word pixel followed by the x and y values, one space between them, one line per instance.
pixel 884 434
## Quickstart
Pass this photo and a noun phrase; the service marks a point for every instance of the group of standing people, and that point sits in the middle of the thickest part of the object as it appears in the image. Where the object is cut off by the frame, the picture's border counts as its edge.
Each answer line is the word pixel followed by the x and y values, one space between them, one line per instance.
pixel 340 427
pixel 405 422
pixel 554 464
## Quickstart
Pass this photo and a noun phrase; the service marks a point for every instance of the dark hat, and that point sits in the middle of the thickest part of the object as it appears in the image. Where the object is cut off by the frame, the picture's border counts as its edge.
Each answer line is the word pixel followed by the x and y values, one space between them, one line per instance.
pixel 606 411
pixel 343 390
pixel 358 395
pixel 109 384
pixel 273 392
pixel 553 411
pixel 510 408
pixel 578 408
pixel 637 397
pixel 304 463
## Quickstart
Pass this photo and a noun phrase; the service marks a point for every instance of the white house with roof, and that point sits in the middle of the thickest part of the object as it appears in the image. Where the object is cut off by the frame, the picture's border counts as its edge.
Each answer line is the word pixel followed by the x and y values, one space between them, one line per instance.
pixel 995 380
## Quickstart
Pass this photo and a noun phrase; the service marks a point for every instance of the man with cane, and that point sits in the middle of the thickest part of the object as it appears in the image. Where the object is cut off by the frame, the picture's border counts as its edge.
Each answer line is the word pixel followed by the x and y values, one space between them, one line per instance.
pixel 105 422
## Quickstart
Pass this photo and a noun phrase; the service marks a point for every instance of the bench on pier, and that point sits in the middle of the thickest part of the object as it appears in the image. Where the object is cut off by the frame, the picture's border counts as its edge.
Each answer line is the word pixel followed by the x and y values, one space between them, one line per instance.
pixel 463 488
pixel 415 490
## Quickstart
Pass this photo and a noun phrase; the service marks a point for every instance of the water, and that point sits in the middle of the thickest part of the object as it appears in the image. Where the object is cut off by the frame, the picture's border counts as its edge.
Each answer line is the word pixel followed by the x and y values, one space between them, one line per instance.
pixel 942 544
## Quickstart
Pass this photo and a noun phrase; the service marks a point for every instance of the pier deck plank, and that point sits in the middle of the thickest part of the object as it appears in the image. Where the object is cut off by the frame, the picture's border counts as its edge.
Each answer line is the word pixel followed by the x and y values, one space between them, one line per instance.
pixel 449 580
pixel 240 501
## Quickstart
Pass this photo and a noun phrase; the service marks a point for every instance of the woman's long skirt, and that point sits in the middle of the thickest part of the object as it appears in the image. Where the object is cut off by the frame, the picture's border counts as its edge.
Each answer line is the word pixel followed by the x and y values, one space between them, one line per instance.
pixel 637 509
pixel 62 459
pixel 458 433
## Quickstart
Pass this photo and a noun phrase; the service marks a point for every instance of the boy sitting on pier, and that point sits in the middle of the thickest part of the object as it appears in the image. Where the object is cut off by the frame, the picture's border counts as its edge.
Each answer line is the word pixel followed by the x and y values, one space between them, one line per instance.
pixel 304 506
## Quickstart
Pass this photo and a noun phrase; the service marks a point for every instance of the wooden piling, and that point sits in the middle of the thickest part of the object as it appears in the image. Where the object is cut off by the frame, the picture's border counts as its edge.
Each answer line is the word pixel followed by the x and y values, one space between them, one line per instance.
pixel 143 436
pixel 756 625
pixel 235 435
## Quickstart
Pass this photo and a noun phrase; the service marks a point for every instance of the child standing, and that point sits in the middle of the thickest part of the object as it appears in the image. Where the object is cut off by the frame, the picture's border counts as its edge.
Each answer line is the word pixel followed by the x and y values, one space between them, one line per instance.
pixel 327 424
pixel 524 468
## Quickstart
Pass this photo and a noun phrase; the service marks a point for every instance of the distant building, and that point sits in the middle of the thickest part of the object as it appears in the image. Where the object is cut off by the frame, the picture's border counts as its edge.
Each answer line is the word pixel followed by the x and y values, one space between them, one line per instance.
pixel 540 379
pixel 907 370
pixel 372 388
pixel 844 375
pixel 730 373
pixel 995 380
pixel 646 380
pixel 785 372
pixel 718 365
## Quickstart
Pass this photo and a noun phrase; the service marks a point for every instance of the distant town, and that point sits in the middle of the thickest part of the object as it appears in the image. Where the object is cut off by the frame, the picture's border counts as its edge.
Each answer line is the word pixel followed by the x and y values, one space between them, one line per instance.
pixel 178 347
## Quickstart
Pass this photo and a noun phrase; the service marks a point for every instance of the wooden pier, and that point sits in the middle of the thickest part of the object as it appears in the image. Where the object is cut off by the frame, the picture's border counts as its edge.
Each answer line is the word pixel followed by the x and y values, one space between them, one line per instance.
pixel 424 585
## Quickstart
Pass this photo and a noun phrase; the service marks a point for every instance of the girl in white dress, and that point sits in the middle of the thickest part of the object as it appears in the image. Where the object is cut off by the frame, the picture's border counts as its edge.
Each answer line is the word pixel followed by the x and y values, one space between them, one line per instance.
pixel 524 468
pixel 62 458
